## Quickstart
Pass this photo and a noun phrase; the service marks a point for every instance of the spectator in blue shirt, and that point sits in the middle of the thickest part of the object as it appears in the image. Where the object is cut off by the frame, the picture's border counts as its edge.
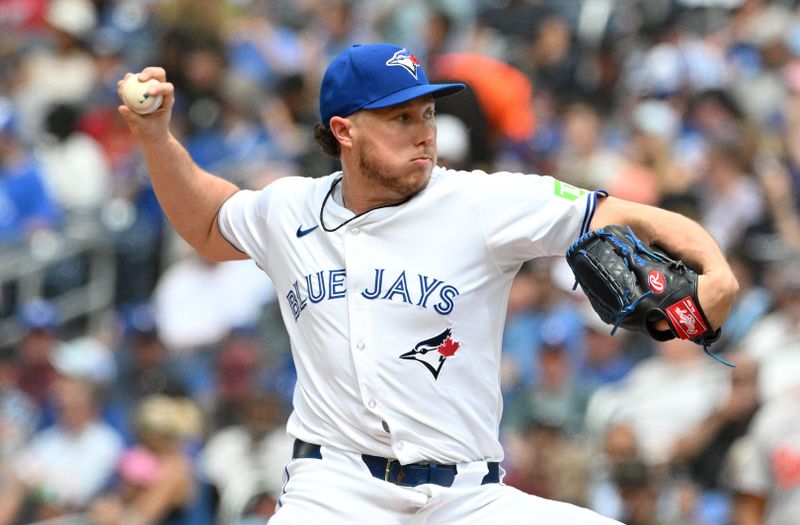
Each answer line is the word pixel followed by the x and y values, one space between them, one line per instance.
pixel 25 205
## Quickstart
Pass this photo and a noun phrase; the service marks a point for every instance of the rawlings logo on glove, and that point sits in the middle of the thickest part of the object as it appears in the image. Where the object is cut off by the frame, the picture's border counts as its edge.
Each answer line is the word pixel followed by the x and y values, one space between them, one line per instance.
pixel 686 319
pixel 633 286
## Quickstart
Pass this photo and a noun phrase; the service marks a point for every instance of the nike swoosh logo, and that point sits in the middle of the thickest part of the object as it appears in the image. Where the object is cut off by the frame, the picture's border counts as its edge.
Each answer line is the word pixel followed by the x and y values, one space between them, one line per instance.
pixel 302 233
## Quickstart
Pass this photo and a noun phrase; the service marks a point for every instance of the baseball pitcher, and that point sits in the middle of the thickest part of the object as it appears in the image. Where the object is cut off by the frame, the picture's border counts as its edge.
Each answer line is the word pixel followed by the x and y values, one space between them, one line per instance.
pixel 393 276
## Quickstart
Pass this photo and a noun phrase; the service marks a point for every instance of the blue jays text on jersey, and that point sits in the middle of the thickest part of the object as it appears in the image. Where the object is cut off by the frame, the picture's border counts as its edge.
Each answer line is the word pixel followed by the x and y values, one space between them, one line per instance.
pixel 419 290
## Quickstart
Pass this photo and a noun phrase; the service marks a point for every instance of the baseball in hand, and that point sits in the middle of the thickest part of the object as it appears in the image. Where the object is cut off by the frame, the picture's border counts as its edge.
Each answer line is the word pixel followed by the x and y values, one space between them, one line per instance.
pixel 134 95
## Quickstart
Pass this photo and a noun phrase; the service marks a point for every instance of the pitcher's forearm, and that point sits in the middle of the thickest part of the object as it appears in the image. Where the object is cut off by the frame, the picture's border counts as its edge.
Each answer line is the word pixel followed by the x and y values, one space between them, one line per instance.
pixel 683 239
pixel 189 196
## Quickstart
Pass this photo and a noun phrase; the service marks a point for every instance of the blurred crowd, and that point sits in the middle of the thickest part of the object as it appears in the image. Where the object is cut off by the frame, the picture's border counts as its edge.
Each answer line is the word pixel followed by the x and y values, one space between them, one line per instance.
pixel 173 412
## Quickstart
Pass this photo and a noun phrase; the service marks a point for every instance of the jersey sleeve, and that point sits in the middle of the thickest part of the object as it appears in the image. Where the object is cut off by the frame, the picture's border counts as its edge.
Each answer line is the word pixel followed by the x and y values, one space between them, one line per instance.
pixel 242 220
pixel 529 216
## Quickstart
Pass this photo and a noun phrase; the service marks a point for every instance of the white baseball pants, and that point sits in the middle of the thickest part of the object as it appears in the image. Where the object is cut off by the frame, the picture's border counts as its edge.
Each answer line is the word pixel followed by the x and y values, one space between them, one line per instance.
pixel 339 490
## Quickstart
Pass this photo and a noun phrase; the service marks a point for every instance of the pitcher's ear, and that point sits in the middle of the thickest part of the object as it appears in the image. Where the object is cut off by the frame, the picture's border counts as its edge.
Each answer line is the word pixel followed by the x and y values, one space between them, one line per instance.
pixel 342 129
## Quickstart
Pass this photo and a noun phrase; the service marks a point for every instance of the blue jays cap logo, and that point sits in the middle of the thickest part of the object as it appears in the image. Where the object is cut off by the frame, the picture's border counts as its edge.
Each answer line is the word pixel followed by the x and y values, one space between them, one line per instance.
pixel 434 352
pixel 405 60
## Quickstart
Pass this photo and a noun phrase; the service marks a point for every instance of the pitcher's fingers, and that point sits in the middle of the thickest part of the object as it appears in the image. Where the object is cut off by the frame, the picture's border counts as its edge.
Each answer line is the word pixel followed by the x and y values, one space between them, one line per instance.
pixel 128 114
pixel 126 77
pixel 167 90
pixel 158 73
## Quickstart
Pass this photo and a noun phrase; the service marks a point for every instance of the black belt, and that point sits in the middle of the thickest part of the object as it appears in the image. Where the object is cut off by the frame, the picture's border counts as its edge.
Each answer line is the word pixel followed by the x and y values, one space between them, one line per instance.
pixel 391 470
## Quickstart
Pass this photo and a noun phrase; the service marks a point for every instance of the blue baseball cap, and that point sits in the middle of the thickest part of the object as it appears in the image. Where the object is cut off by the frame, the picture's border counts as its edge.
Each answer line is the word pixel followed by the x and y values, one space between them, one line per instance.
pixel 373 76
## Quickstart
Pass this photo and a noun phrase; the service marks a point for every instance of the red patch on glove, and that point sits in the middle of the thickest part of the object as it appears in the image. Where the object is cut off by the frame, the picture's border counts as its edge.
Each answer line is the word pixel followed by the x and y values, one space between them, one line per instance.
pixel 686 318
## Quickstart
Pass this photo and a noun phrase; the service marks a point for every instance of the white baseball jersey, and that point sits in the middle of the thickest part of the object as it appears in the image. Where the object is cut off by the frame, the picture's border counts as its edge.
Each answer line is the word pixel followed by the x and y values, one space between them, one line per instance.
pixel 396 318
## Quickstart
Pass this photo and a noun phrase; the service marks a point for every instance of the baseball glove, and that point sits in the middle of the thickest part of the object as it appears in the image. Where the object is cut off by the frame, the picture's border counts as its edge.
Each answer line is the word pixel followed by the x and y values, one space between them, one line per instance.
pixel 632 285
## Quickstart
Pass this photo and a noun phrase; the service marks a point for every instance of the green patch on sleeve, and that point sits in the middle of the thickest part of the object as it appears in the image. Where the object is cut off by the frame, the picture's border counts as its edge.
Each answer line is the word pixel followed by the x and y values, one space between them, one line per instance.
pixel 568 191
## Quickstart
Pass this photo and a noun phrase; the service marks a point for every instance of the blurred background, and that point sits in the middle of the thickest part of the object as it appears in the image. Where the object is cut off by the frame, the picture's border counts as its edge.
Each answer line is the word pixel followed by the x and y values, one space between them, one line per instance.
pixel 140 383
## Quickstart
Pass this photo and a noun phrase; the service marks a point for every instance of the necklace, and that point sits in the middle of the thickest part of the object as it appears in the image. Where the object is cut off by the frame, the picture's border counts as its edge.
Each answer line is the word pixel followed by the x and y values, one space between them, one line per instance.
pixel 354 217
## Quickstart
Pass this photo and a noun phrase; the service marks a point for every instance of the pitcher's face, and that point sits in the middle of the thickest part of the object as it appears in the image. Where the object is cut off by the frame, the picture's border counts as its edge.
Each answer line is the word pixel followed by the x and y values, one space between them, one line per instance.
pixel 396 146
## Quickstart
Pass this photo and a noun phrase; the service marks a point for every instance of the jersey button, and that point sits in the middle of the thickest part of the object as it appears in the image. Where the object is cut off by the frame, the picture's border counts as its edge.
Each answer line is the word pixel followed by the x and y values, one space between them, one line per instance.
pixel 354 231
pixel 360 345
pixel 372 403
pixel 400 445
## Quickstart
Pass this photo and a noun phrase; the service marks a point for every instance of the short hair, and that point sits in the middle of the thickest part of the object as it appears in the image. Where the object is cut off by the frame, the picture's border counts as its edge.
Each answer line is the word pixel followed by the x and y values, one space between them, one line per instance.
pixel 325 138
